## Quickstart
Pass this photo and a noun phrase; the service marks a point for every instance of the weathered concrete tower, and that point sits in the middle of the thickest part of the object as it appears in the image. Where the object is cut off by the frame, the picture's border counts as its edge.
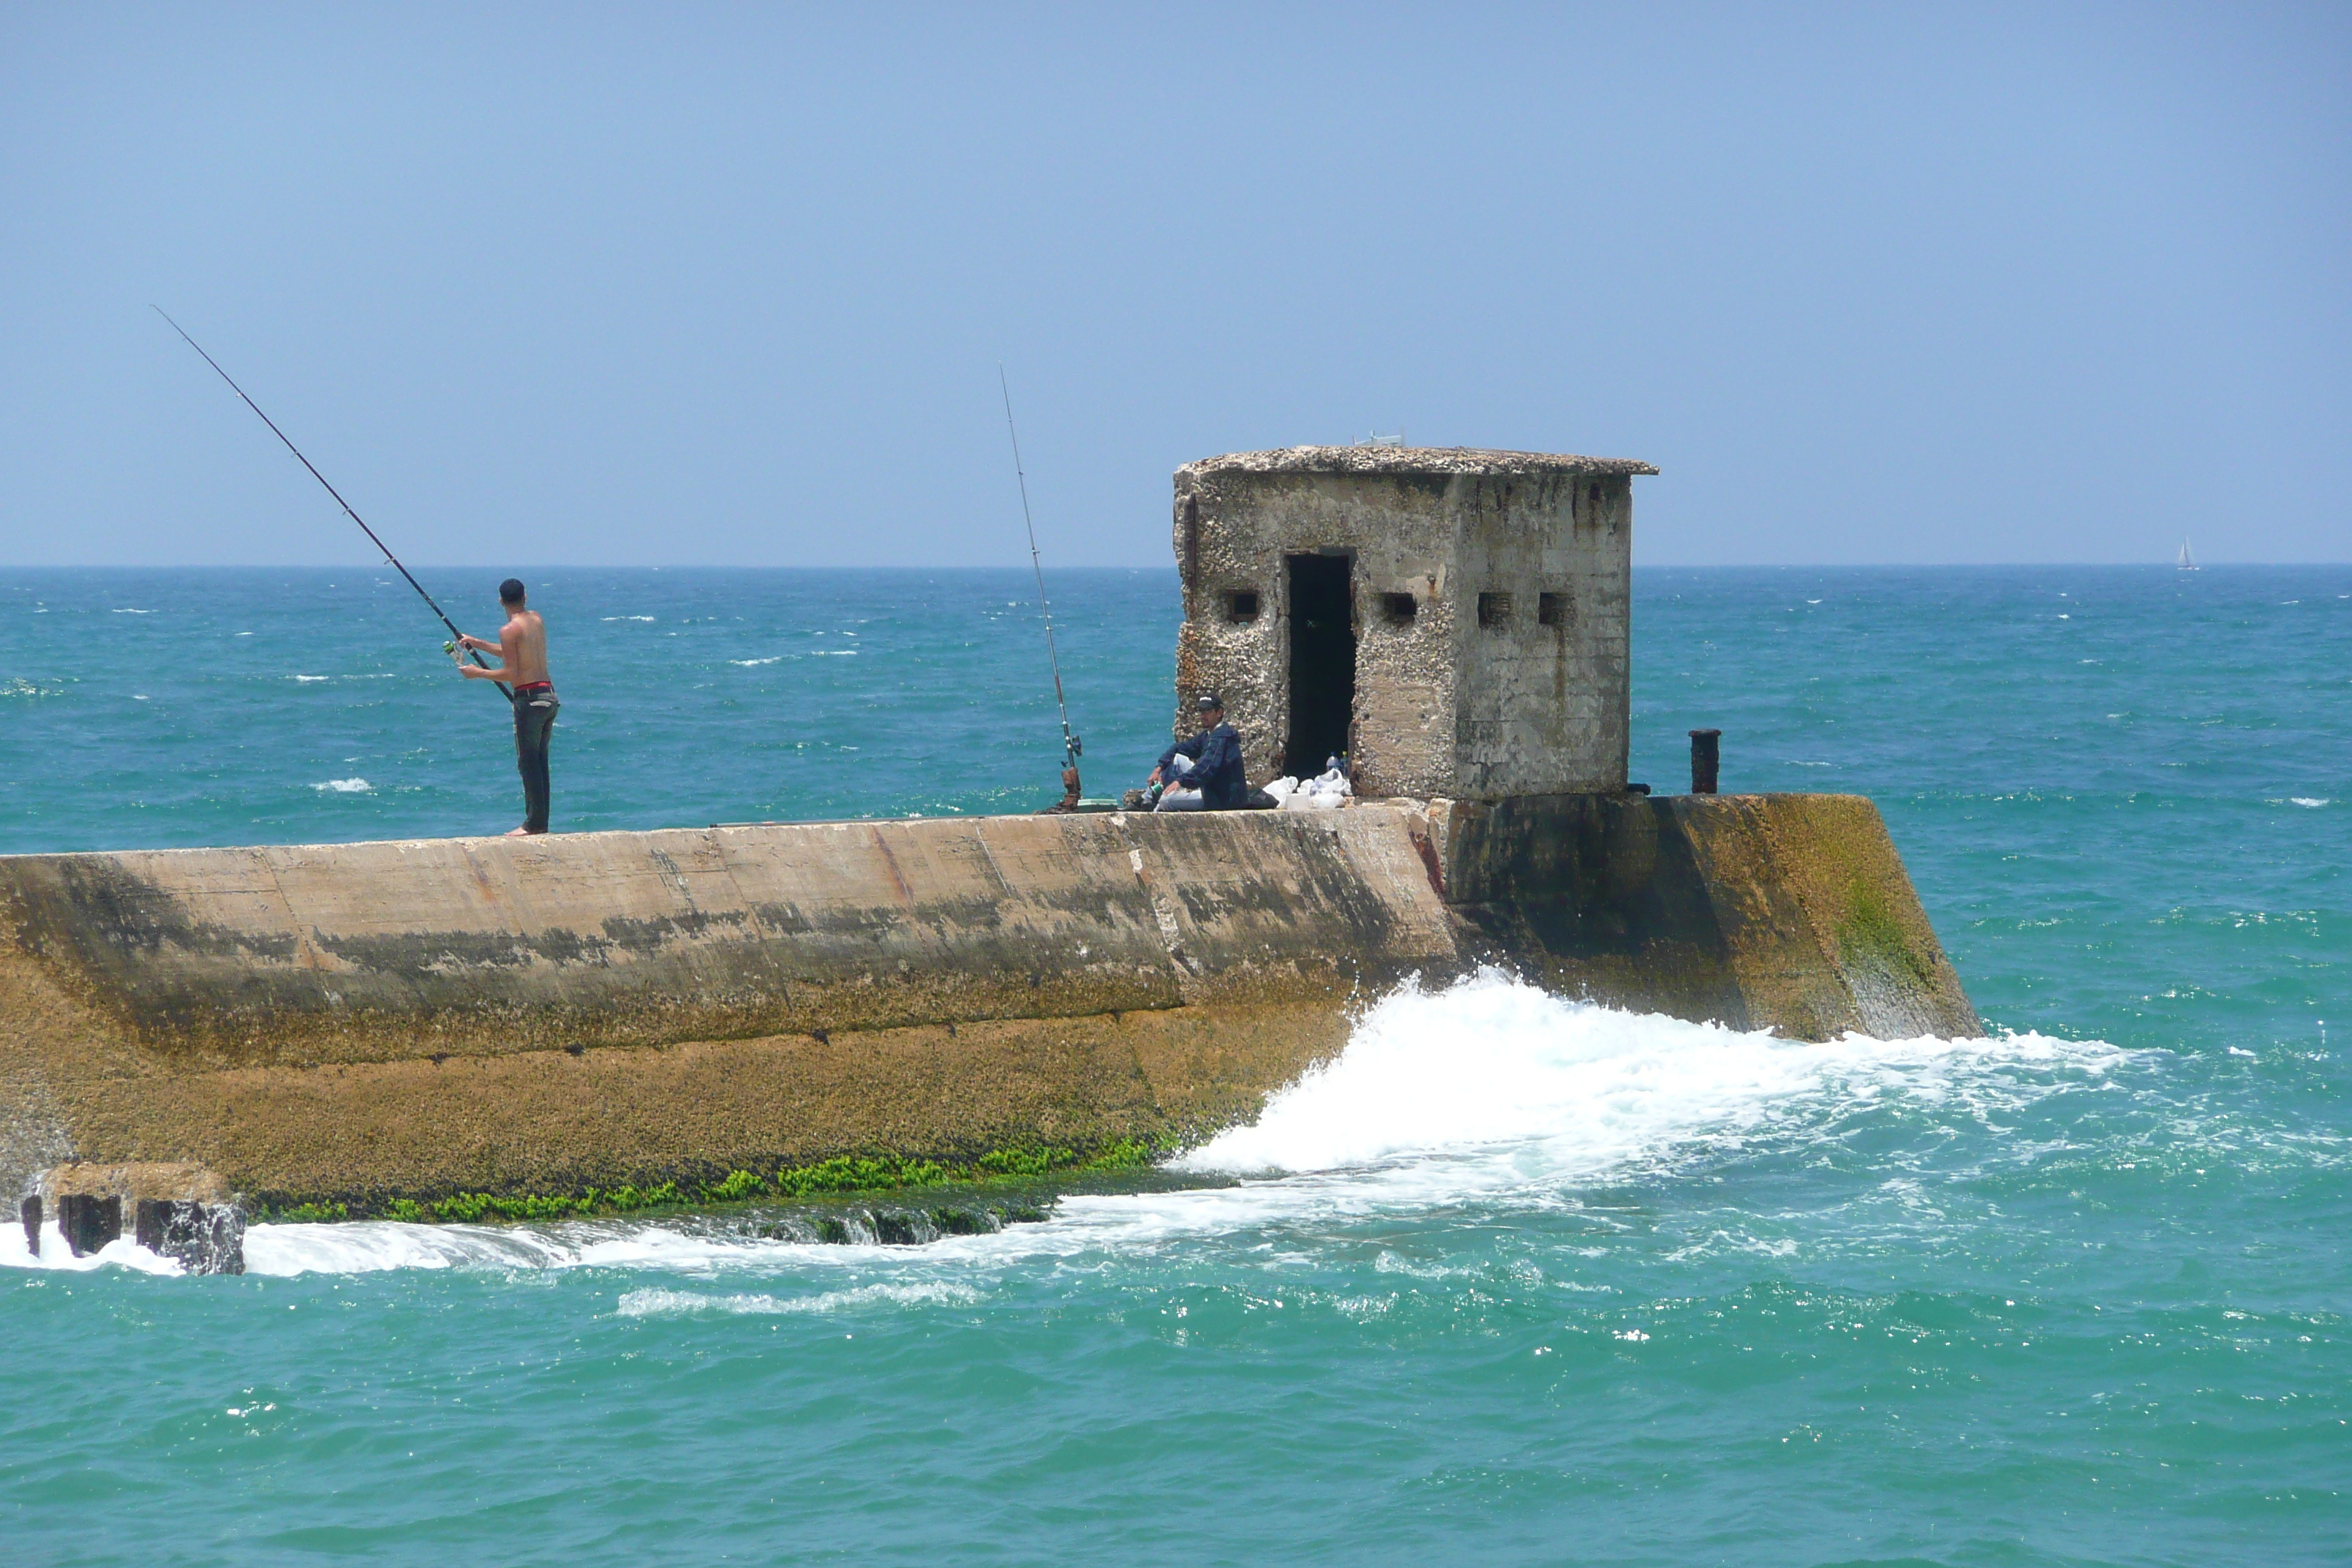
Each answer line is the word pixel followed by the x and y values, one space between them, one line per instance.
pixel 1456 620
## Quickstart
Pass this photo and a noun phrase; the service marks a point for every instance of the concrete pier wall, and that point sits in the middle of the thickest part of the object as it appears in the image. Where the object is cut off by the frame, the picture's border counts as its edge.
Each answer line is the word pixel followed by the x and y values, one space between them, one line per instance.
pixel 368 1021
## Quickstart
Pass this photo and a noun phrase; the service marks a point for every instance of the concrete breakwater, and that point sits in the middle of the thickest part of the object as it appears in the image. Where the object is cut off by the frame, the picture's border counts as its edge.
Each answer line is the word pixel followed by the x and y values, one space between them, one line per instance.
pixel 369 1022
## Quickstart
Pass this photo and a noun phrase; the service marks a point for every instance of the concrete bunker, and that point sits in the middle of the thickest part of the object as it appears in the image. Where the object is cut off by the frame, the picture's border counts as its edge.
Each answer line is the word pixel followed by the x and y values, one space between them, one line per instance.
pixel 1456 621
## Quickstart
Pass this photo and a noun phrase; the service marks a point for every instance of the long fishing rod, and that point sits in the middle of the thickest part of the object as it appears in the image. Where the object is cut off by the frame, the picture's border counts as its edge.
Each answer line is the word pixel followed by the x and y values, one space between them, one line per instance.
pixel 340 501
pixel 1071 749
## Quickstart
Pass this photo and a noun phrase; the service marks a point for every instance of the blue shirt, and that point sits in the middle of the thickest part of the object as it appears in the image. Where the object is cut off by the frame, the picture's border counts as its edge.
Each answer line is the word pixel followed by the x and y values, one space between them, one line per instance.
pixel 1217 772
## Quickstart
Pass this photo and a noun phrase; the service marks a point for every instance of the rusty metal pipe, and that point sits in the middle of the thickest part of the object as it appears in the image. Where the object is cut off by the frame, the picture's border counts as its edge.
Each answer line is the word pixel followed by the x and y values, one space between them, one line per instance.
pixel 1705 754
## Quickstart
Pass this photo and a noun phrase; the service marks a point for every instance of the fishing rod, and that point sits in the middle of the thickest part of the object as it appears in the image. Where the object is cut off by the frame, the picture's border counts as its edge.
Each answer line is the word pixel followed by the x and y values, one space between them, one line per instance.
pixel 1071 748
pixel 355 516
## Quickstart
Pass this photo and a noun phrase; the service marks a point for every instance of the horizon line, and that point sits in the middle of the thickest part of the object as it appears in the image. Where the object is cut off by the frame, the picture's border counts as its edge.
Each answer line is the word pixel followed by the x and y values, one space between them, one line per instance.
pixel 1023 566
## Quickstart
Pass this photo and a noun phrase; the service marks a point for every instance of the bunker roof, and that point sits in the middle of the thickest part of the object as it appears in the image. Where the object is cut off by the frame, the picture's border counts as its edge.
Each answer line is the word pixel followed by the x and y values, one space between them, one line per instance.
pixel 1408 460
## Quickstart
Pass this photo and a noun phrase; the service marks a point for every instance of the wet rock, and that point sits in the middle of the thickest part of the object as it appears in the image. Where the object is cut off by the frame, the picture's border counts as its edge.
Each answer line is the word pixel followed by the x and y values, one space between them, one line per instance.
pixel 88 1222
pixel 31 1211
pixel 201 1238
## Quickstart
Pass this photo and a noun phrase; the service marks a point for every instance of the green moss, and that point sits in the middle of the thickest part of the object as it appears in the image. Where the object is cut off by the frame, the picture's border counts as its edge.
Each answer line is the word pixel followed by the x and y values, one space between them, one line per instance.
pixel 303 1214
pixel 842 1174
pixel 856 1173
pixel 1869 928
pixel 738 1185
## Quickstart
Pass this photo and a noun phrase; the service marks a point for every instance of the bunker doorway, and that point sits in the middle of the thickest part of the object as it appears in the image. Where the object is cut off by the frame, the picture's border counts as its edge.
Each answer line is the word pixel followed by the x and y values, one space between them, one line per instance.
pixel 1322 660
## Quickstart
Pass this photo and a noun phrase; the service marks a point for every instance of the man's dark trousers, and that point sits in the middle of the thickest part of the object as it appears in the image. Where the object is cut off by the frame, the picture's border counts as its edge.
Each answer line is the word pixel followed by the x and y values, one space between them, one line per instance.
pixel 534 711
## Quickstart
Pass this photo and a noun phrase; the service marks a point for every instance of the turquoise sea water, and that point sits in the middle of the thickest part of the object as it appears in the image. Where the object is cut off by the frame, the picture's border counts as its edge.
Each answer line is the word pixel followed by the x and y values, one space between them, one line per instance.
pixel 1517 1282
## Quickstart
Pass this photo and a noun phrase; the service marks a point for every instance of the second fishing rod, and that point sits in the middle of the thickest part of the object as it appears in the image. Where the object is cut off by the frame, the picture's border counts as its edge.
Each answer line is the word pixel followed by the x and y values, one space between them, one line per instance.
pixel 457 637
pixel 1071 747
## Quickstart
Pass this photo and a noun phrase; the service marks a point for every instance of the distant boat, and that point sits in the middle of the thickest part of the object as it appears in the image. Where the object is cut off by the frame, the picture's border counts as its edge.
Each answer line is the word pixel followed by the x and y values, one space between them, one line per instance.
pixel 2187 563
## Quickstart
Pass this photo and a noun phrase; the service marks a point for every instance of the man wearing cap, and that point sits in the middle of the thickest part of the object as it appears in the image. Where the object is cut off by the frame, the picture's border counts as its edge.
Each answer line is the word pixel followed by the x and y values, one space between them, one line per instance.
pixel 1215 755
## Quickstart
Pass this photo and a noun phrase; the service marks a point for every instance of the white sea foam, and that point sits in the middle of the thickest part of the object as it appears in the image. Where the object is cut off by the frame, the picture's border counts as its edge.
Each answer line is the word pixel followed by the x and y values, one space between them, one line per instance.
pixel 343 786
pixel 2306 800
pixel 134 612
pixel 657 1303
pixel 628 617
pixel 120 1253
pixel 835 653
pixel 363 1247
pixel 755 663
pixel 1571 1089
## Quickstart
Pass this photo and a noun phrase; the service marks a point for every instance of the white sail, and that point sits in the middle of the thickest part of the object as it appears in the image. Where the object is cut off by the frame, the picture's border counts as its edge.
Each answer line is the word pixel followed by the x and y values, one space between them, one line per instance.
pixel 2187 561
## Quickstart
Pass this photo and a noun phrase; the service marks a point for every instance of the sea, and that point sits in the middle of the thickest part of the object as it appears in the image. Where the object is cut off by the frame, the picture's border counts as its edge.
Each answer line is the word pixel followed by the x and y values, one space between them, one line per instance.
pixel 1516 1279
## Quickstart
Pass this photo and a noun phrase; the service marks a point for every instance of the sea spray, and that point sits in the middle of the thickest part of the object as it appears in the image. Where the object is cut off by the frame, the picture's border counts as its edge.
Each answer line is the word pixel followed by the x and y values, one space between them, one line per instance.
pixel 1571 1089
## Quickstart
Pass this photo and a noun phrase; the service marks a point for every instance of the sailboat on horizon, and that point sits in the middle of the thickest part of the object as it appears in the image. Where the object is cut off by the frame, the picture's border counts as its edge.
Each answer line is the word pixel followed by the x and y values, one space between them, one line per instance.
pixel 2186 562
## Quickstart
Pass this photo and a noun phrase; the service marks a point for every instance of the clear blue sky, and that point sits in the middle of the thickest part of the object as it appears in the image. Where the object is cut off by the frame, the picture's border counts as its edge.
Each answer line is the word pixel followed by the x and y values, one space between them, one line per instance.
pixel 681 284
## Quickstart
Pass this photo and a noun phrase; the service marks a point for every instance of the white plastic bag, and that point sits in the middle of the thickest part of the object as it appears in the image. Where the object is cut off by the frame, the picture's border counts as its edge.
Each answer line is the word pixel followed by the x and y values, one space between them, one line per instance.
pixel 1326 792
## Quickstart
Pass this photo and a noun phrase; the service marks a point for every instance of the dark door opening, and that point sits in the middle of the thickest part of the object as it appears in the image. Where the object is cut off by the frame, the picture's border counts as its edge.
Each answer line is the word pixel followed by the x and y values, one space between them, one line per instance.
pixel 1322 661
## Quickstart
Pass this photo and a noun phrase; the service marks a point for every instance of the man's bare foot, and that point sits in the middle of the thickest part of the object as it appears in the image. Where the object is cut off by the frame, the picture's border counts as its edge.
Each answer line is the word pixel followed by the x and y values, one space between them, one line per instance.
pixel 518 833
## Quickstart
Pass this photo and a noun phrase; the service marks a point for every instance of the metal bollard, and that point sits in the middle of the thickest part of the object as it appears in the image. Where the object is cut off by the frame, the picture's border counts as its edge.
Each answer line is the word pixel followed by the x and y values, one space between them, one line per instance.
pixel 1705 753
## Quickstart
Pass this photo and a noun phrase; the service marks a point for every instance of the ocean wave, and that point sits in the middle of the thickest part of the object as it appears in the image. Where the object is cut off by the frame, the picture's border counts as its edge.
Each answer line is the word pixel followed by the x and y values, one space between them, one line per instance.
pixel 1575 1089
pixel 660 1303
pixel 344 786
pixel 366 1246
pixel 642 1246
pixel 122 1252
pixel 755 663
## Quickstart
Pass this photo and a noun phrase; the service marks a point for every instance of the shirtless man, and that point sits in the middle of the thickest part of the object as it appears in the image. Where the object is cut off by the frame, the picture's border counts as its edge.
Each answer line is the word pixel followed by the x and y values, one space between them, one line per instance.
pixel 521 648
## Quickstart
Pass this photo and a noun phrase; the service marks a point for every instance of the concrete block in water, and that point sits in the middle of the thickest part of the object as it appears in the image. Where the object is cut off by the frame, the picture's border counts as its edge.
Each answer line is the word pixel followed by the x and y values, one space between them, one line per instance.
pixel 178 1211
pixel 202 1237
pixel 88 1222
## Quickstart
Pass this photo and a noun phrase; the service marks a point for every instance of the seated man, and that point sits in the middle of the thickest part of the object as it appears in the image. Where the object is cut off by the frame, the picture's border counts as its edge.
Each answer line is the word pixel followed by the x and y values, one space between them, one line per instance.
pixel 1216 758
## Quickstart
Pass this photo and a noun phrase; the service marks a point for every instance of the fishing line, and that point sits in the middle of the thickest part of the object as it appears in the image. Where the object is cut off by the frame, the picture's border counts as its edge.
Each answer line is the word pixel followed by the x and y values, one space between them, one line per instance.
pixel 1071 748
pixel 379 544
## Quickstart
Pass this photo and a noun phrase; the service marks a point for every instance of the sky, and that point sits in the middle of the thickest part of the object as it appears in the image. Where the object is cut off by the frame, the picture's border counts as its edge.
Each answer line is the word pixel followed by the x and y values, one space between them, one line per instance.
pixel 732 285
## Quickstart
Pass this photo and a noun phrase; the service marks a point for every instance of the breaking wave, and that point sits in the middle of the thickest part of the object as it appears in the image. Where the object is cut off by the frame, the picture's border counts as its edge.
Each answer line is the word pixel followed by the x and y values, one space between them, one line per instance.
pixel 673 1303
pixel 1573 1089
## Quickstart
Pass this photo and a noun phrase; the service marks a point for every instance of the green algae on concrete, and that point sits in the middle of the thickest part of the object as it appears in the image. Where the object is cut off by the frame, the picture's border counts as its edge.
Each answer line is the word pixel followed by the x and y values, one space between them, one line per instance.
pixel 841 1176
